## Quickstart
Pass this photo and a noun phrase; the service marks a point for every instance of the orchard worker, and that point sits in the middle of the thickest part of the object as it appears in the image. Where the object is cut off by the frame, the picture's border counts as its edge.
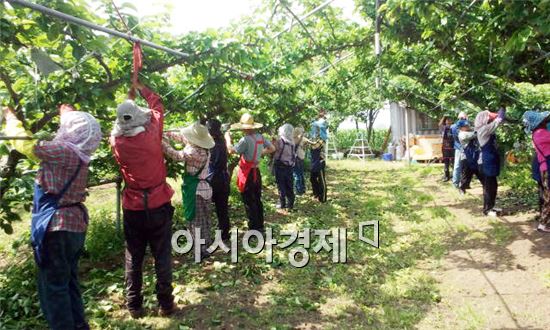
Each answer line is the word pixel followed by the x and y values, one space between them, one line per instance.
pixel 457 169
pixel 536 124
pixel 486 124
pixel 299 147
pixel 283 163
pixel 249 180
pixel 447 146
pixel 219 178
pixel 317 142
pixel 196 191
pixel 469 156
pixel 136 141
pixel 59 217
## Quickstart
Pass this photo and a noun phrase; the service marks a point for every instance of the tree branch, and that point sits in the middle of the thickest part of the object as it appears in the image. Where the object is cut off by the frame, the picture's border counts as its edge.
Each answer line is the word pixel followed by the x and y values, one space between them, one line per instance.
pixel 8 171
pixel 13 94
pixel 99 58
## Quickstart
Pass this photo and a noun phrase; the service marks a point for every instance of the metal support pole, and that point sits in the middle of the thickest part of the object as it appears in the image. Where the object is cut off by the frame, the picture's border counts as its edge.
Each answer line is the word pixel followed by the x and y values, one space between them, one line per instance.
pixel 118 199
pixel 75 20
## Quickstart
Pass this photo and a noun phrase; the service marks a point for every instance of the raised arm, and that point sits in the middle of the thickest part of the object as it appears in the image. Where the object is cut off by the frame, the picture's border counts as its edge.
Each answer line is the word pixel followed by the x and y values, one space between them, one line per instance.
pixel 175 136
pixel 177 155
pixel 492 126
pixel 154 102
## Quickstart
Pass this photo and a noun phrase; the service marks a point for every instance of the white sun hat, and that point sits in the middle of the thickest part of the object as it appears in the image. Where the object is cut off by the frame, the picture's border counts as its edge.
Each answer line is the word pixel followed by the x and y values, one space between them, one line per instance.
pixel 198 135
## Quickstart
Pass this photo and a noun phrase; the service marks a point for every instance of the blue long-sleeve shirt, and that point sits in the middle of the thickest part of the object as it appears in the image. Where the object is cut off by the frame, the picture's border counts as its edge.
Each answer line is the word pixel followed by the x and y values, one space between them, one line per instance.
pixel 454 133
pixel 319 129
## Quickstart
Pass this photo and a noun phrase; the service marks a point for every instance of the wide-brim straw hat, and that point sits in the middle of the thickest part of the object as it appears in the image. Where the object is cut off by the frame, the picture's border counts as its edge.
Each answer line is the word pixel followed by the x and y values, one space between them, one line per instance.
pixel 246 122
pixel 198 135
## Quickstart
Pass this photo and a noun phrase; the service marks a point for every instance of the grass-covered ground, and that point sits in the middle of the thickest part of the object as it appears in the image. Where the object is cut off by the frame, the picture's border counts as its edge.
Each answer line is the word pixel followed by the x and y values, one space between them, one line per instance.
pixel 404 284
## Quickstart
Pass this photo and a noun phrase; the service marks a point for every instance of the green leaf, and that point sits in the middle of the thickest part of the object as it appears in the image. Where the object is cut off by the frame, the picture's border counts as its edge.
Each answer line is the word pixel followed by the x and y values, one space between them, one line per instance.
pixel 78 51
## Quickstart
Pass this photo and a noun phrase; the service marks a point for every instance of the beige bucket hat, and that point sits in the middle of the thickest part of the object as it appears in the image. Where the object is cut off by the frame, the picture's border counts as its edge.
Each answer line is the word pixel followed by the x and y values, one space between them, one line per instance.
pixel 198 135
pixel 246 122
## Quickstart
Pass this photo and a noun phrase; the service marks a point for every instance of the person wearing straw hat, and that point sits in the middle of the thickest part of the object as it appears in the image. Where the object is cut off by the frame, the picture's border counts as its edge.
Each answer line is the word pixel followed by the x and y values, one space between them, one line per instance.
pixel 196 191
pixel 536 124
pixel 136 141
pixel 249 180
pixel 59 217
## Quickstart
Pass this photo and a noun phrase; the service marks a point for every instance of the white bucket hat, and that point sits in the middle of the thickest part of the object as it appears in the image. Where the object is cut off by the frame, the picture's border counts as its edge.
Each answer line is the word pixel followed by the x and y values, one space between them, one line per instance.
pixel 198 135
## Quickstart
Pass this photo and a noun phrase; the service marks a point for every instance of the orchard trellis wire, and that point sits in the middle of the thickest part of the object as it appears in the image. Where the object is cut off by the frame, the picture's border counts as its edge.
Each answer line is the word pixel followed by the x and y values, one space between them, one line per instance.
pixel 90 25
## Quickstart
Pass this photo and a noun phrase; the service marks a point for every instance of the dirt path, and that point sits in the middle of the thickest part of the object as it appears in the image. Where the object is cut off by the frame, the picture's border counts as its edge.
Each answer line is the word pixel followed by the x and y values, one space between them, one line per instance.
pixel 496 274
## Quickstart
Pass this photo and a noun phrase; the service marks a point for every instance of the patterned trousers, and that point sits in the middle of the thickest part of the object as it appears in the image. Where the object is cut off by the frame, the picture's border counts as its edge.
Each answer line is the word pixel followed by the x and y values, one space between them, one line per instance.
pixel 202 222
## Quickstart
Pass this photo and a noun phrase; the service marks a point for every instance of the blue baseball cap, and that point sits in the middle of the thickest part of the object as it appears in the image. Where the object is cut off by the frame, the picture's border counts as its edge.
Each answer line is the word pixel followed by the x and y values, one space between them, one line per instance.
pixel 462 123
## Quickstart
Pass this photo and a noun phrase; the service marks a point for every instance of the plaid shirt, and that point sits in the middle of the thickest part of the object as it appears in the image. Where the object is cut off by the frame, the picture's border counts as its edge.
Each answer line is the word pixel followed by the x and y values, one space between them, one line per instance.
pixel 58 165
pixel 195 158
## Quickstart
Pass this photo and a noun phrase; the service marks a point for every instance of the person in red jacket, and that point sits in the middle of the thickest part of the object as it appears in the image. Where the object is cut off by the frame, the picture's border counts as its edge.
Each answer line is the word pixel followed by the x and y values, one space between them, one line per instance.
pixel 136 141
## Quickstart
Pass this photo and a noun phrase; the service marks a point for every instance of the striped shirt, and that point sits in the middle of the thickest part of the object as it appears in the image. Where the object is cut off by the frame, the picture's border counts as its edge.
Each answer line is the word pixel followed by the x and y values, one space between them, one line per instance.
pixel 58 165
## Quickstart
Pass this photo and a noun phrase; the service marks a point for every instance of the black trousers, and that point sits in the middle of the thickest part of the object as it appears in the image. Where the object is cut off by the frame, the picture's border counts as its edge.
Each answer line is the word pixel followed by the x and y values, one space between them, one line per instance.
pixel 220 197
pixel 285 183
pixel 252 199
pixel 468 174
pixel 448 162
pixel 153 228
pixel 319 185
pixel 490 188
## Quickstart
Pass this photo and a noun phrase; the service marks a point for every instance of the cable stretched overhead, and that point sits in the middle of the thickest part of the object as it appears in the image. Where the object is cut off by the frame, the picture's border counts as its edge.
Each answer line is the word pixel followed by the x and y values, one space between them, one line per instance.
pixel 75 20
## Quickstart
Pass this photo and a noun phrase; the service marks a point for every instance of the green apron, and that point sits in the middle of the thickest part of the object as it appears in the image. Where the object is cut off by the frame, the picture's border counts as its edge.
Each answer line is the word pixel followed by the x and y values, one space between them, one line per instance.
pixel 189 193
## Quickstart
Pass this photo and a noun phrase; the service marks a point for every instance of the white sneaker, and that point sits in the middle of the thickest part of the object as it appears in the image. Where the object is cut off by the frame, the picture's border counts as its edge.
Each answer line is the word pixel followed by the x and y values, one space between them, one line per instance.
pixel 497 209
pixel 543 228
pixel 491 213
